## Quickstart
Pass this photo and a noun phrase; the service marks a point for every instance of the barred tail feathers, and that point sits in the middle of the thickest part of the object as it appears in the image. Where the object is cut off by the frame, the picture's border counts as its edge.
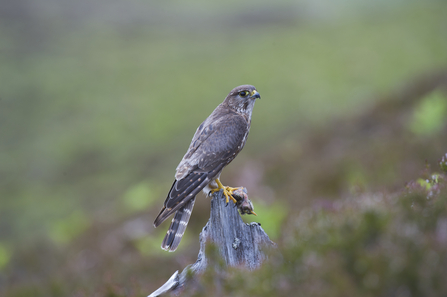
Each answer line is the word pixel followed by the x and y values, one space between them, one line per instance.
pixel 180 201
pixel 181 192
pixel 178 227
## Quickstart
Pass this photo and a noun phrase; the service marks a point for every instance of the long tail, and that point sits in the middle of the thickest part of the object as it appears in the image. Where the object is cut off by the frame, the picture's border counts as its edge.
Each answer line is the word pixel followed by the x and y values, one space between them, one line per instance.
pixel 180 201
pixel 178 227
pixel 182 191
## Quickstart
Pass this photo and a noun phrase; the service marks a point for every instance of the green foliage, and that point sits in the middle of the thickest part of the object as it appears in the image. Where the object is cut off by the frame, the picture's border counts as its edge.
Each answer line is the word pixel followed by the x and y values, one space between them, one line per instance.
pixel 139 197
pixel 371 245
pixel 430 114
pixel 271 218
pixel 64 230
pixel 89 109
pixel 5 255
pixel 443 163
pixel 98 107
pixel 424 183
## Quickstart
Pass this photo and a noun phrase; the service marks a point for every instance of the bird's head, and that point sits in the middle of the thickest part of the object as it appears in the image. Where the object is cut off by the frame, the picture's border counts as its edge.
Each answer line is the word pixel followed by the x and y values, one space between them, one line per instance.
pixel 242 98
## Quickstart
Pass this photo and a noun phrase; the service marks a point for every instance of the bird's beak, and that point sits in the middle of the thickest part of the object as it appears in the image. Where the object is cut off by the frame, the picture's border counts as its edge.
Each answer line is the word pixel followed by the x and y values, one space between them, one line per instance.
pixel 255 95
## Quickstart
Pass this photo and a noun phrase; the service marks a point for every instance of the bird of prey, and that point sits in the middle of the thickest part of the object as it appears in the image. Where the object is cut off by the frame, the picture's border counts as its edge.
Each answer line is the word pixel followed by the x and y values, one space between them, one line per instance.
pixel 215 144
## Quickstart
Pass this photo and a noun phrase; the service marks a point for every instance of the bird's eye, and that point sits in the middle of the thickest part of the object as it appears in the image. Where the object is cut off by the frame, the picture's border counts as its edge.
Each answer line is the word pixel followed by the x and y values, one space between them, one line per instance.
pixel 243 93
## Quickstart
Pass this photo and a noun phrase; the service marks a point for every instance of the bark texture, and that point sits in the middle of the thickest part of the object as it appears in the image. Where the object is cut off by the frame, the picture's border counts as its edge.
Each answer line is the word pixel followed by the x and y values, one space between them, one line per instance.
pixel 239 244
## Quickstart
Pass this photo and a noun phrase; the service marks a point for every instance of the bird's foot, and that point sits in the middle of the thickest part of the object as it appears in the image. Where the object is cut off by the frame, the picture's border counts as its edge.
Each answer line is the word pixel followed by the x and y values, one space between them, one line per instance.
pixel 228 192
pixel 243 203
pixel 238 196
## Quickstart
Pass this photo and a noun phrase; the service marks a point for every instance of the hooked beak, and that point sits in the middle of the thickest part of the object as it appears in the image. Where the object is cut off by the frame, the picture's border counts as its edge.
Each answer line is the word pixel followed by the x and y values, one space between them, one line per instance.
pixel 255 95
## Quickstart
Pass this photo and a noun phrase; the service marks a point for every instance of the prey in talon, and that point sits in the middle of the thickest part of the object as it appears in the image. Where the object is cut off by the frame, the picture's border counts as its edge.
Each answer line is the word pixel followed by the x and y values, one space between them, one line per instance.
pixel 227 191
pixel 243 203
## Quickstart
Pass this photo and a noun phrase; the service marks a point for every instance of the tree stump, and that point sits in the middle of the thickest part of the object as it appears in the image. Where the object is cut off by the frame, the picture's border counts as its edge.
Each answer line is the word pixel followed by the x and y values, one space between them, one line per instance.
pixel 239 244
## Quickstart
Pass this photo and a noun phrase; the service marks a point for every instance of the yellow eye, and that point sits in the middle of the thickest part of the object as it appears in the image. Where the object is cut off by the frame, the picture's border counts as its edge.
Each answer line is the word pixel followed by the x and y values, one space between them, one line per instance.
pixel 243 93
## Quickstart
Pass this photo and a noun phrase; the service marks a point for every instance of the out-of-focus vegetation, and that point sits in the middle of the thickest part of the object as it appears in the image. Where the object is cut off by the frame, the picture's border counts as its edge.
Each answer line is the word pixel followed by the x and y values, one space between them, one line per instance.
pixel 99 100
pixel 367 245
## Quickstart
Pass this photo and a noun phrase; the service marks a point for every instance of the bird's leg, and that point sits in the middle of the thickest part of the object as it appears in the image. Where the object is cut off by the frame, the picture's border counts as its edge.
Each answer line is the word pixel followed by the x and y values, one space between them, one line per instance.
pixel 227 191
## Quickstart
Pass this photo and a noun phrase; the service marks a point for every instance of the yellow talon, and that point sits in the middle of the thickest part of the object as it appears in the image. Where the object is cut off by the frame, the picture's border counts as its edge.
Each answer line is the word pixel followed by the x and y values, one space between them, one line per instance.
pixel 227 191
pixel 230 189
pixel 244 204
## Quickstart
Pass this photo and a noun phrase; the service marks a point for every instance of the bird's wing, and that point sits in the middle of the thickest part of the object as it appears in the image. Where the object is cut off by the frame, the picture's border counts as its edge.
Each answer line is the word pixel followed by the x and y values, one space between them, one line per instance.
pixel 203 132
pixel 215 140
pixel 206 160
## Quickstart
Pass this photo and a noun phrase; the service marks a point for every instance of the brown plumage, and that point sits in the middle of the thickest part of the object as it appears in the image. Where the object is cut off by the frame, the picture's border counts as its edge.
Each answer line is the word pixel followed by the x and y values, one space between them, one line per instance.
pixel 215 144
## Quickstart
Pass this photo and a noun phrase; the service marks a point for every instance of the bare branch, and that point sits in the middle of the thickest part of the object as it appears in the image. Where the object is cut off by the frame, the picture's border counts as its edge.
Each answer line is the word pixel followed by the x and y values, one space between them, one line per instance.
pixel 239 244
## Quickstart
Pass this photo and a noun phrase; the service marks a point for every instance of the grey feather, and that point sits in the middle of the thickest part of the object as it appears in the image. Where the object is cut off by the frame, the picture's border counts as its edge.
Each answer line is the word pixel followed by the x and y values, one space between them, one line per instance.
pixel 178 227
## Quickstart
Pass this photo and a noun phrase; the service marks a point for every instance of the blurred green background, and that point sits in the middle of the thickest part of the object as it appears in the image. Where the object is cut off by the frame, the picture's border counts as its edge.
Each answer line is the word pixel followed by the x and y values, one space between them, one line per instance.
pixel 99 101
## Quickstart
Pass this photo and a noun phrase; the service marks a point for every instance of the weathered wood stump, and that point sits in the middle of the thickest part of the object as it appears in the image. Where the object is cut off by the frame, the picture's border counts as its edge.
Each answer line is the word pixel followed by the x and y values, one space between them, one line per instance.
pixel 239 244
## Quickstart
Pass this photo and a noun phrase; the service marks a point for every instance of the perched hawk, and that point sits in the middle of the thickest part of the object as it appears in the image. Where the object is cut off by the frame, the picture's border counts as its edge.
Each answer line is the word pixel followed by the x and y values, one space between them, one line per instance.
pixel 215 144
